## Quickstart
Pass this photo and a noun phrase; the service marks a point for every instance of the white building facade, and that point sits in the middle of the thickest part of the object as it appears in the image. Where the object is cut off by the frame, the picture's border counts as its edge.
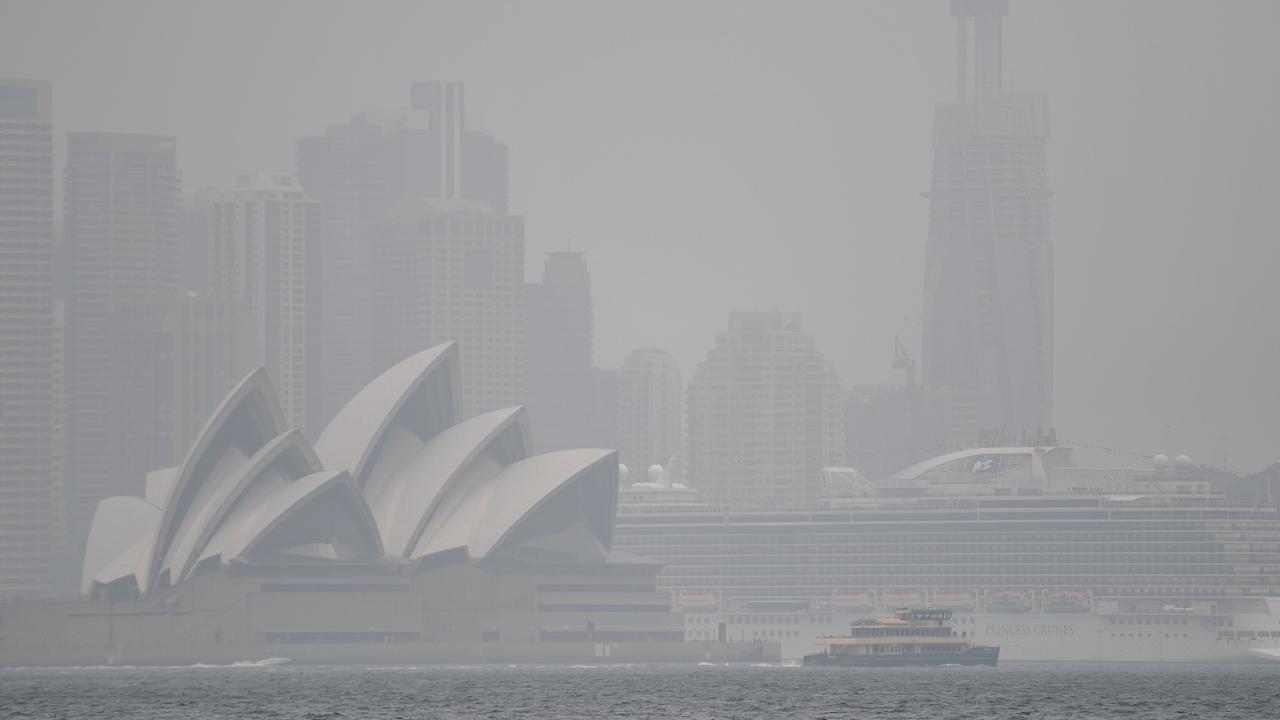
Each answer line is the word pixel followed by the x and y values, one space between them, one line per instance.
pixel 266 255
pixel 453 269
pixel 651 412
pixel 766 414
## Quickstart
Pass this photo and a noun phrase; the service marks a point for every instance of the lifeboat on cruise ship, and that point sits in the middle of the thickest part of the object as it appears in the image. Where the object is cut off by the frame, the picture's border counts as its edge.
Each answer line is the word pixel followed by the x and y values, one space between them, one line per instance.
pixel 907 599
pixel 1066 601
pixel 953 601
pixel 1010 601
pixel 697 602
pixel 855 601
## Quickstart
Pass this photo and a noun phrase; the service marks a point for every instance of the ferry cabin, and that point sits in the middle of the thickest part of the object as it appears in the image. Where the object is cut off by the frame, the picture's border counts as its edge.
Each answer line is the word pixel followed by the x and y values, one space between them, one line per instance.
pixel 909 633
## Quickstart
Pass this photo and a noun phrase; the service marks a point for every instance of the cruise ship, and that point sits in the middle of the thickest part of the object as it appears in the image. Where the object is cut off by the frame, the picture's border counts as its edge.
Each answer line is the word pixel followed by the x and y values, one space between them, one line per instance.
pixel 1034 551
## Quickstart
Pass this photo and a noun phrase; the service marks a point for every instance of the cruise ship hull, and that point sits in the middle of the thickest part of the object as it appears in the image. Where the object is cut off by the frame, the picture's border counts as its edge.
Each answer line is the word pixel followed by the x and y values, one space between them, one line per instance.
pixel 1155 638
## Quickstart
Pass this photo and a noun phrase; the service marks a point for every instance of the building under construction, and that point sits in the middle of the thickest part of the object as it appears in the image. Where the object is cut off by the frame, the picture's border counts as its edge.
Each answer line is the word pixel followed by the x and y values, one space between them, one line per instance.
pixel 988 306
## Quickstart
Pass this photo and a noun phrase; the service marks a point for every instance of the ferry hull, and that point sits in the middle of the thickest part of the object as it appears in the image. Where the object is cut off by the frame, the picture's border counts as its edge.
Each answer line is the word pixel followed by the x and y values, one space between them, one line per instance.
pixel 973 656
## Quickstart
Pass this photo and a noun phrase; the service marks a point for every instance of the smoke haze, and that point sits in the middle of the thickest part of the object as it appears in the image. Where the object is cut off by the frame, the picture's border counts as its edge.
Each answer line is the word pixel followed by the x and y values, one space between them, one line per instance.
pixel 717 155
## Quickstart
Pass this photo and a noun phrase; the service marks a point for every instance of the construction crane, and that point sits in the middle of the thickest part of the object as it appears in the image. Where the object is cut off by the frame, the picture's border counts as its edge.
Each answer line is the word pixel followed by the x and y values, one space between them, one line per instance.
pixel 902 361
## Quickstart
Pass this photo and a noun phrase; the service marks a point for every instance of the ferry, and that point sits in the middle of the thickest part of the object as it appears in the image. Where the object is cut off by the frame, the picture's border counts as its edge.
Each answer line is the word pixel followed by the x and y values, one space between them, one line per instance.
pixel 912 637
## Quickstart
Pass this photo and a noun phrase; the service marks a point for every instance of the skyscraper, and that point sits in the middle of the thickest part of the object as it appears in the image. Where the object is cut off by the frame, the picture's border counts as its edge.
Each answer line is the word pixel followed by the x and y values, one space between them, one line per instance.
pixel 766 414
pixel 442 107
pixel 26 334
pixel 484 169
pixel 453 162
pixel 362 172
pixel 559 353
pixel 651 412
pixel 123 245
pixel 988 306
pixel 454 270
pixel 346 169
pixel 266 256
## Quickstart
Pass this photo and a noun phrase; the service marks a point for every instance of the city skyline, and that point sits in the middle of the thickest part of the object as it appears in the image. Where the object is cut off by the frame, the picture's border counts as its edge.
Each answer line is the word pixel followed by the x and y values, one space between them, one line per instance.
pixel 856 192
pixel 581 359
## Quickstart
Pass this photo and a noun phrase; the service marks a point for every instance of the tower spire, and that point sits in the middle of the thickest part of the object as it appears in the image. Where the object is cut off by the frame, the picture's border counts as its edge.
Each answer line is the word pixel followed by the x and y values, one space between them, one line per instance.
pixel 988 45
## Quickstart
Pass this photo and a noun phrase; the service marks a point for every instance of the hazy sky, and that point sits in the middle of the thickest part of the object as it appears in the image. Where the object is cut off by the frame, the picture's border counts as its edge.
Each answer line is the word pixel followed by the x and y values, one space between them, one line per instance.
pixel 717 155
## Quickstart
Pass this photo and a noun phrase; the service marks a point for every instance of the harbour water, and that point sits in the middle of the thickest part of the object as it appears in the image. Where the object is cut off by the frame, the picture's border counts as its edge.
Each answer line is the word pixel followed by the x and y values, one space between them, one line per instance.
pixel 1041 691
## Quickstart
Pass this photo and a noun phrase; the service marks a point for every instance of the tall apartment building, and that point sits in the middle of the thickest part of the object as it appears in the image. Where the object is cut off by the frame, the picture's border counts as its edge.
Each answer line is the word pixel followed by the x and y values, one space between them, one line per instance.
pixel 988 306
pixel 365 171
pixel 454 270
pixel 26 334
pixel 765 413
pixel 560 353
pixel 651 412
pixel 346 169
pixel 455 161
pixel 265 255
pixel 123 249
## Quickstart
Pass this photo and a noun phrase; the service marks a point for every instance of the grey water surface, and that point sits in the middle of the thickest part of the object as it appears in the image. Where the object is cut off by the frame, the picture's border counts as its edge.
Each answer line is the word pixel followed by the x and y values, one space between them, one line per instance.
pixel 1048 692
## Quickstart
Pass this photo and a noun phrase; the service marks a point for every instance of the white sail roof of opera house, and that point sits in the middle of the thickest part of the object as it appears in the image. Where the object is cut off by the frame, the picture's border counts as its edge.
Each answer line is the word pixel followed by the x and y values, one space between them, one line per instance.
pixel 394 478
pixel 404 406
pixel 247 419
pixel 120 527
pixel 458 457
pixel 347 521
pixel 524 490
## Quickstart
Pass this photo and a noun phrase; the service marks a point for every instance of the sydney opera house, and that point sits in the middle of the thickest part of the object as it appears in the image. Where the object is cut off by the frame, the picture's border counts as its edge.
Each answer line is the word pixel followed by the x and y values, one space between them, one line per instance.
pixel 404 534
